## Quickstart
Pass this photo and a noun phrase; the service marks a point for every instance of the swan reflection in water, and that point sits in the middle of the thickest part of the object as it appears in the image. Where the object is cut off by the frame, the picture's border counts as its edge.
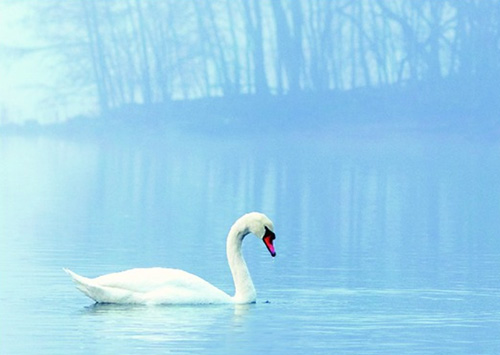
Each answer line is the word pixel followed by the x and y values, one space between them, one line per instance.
pixel 166 323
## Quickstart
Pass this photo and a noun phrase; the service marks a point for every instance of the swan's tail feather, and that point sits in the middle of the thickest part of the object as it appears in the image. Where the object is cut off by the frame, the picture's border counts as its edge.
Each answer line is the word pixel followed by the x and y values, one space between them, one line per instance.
pixel 99 293
pixel 79 280
pixel 84 284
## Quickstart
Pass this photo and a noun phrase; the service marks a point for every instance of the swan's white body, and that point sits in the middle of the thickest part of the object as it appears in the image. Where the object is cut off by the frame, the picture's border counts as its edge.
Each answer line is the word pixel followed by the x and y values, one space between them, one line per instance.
pixel 173 286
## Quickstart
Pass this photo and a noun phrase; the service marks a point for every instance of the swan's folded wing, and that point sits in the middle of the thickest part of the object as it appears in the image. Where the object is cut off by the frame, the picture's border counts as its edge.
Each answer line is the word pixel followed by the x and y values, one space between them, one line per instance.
pixel 148 279
pixel 152 285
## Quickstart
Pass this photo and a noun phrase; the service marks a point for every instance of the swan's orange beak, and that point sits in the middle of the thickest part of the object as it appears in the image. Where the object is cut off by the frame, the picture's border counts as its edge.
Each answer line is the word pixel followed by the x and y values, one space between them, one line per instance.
pixel 268 241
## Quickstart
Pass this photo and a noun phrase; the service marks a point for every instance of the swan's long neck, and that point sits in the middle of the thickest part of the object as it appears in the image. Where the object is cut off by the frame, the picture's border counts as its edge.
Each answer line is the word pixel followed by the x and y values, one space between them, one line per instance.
pixel 244 288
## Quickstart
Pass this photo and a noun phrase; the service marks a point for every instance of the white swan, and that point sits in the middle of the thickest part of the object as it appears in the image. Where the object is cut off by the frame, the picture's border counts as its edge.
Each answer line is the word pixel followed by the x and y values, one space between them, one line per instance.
pixel 167 286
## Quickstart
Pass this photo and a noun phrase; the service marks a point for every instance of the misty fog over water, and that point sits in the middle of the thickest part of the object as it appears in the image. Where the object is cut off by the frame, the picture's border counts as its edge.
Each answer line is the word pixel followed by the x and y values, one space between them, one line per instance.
pixel 435 61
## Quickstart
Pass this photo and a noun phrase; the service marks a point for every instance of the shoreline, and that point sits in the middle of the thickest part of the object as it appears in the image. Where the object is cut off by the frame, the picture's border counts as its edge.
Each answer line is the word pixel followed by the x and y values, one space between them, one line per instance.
pixel 372 112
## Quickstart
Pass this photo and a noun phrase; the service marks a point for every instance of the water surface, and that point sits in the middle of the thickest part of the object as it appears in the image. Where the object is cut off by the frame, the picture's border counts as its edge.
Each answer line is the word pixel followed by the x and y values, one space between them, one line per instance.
pixel 383 245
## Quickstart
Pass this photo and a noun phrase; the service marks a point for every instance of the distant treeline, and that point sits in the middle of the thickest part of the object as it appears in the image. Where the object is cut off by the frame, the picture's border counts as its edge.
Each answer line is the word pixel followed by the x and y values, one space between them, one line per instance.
pixel 130 52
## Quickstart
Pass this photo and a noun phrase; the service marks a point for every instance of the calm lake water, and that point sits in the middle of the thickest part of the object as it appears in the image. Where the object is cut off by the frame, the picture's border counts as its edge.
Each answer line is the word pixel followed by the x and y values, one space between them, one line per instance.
pixel 384 245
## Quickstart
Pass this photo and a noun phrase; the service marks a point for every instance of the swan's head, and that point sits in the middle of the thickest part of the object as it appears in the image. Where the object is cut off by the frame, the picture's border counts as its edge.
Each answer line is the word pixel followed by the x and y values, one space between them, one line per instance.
pixel 261 226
